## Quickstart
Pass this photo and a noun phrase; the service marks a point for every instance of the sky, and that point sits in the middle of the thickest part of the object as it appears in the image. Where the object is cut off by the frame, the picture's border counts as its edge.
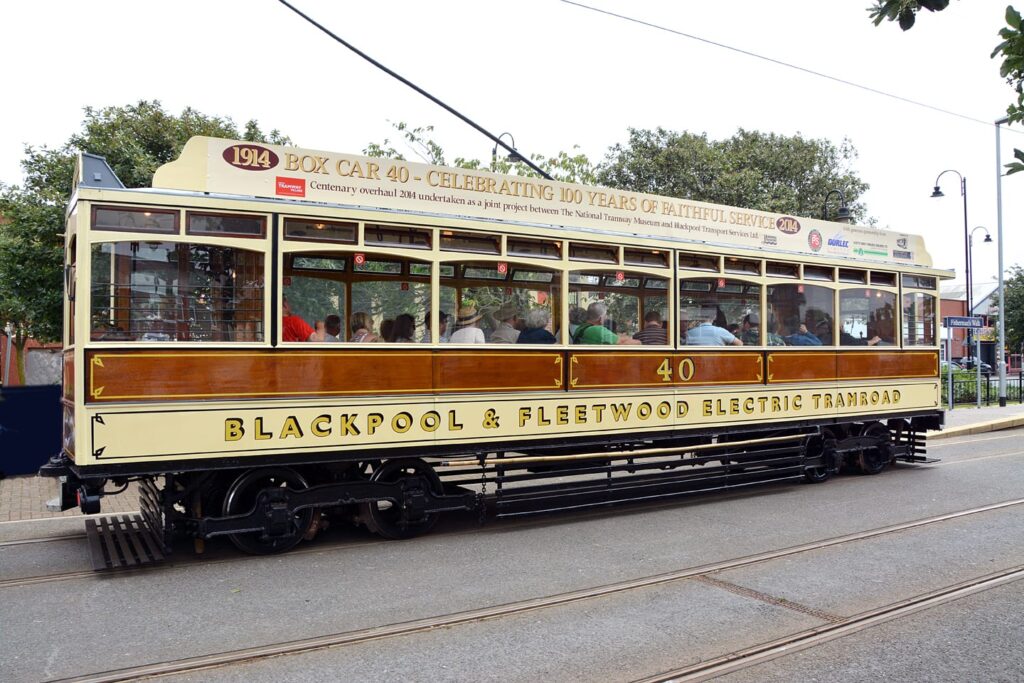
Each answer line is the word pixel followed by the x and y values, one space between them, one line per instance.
pixel 554 75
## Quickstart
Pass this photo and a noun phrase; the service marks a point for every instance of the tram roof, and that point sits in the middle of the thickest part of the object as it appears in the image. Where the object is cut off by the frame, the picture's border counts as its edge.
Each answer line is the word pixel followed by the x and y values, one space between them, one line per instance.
pixel 243 171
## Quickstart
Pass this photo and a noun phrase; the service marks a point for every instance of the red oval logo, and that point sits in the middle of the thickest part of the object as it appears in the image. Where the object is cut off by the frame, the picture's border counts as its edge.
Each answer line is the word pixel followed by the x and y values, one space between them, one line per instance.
pixel 788 225
pixel 250 157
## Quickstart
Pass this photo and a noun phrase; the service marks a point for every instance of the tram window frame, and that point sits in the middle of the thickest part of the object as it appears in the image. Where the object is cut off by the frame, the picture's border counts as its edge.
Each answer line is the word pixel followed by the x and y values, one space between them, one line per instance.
pixel 882 279
pixel 819 273
pixel 470 242
pixel 782 269
pixel 132 210
pixel 741 266
pixel 919 282
pixel 866 292
pixel 290 222
pixel 691 260
pixel 591 253
pixel 645 258
pixel 933 319
pixel 381 229
pixel 192 230
pixel 704 289
pixel 773 303
pixel 853 276
pixel 635 284
pixel 524 247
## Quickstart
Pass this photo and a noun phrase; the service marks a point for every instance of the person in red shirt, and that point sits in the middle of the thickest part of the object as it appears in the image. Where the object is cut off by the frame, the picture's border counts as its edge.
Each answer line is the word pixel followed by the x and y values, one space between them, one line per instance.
pixel 293 328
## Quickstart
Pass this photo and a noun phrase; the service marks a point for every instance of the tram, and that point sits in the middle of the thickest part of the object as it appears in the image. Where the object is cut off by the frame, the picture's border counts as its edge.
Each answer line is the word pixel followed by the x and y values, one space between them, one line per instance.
pixel 272 337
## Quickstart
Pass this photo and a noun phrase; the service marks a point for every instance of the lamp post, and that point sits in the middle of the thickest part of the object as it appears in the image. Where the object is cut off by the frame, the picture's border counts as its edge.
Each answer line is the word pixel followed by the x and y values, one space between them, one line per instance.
pixel 1001 339
pixel 842 214
pixel 977 341
pixel 513 156
pixel 967 247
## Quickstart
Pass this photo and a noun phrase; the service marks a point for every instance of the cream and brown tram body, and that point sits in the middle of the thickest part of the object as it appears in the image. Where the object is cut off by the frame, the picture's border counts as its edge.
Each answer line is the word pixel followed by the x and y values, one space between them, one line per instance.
pixel 269 336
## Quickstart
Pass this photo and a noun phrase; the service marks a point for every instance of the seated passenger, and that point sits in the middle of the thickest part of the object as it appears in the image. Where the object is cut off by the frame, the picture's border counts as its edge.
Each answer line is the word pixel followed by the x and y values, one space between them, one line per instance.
pixel 442 328
pixel 387 331
pixel 708 334
pixel 577 316
pixel 506 332
pixel 293 327
pixel 847 339
pixel 536 332
pixel 405 329
pixel 750 329
pixel 593 330
pixel 362 330
pixel 801 336
pixel 654 331
pixel 467 330
pixel 327 330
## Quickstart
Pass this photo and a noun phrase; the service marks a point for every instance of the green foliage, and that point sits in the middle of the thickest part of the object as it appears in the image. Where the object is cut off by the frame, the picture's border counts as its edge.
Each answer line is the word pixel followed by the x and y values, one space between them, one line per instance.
pixel 135 139
pixel 904 11
pixel 1013 286
pixel 777 173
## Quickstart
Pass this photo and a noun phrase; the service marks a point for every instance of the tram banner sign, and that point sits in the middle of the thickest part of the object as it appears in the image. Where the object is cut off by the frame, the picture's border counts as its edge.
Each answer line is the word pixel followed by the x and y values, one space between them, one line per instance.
pixel 291 173
pixel 971 322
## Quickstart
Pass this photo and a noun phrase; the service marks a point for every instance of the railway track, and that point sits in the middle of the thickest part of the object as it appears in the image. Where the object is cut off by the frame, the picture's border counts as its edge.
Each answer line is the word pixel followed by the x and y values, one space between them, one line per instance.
pixel 755 655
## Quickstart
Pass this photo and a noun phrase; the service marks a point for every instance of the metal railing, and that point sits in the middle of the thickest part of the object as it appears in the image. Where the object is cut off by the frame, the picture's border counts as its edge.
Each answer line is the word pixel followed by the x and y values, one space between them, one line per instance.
pixel 965 388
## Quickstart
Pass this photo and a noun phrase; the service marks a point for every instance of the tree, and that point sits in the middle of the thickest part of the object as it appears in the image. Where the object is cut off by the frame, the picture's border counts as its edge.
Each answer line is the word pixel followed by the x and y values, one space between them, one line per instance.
pixel 1013 287
pixel 1011 49
pixel 776 173
pixel 135 139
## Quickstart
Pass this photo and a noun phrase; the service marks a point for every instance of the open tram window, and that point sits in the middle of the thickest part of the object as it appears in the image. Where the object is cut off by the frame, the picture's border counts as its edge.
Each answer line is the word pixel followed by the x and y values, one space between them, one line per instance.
pixel 800 315
pixel 718 311
pixel 499 303
pixel 315 230
pixel 315 289
pixel 627 300
pixel 867 316
pixel 918 319
pixel 168 291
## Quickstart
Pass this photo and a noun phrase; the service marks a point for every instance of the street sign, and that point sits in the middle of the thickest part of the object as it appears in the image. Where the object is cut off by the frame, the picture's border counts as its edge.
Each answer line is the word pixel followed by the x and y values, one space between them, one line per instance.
pixel 963 321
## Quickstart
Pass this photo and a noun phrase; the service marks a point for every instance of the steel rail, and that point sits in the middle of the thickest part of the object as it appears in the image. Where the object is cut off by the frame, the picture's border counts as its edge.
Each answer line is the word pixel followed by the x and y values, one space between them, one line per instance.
pixel 818 635
pixel 190 664
pixel 41 539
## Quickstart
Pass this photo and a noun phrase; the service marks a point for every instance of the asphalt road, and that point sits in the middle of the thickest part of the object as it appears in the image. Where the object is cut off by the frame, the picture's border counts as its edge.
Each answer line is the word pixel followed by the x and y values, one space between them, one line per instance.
pixel 349 580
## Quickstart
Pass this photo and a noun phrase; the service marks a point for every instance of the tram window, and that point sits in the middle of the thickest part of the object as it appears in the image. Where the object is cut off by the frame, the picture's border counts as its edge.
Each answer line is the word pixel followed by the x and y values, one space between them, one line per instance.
pixel 645 257
pixel 825 273
pixel 393 236
pixel 867 316
pixel 395 304
pixel 318 263
pixel 853 277
pixel 621 293
pixel 70 284
pixel 919 281
pixel 593 252
pixel 498 309
pixel 779 269
pixel 698 261
pixel 168 291
pixel 134 220
pixel 314 230
pixel 918 319
pixel 518 246
pixel 315 298
pixel 464 241
pixel 740 265
pixel 883 279
pixel 732 305
pixel 800 315
pixel 239 225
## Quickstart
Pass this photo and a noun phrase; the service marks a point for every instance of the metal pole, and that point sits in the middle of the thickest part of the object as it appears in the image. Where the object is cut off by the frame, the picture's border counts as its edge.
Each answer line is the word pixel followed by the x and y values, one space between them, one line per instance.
pixel 968 290
pixel 977 365
pixel 949 366
pixel 1001 339
pixel 9 330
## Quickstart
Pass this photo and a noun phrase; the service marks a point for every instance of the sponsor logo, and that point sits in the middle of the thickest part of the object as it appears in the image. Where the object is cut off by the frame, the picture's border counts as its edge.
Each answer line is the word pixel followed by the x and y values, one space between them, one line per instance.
pixel 814 240
pixel 788 225
pixel 250 157
pixel 770 240
pixel 861 251
pixel 902 243
pixel 839 241
pixel 290 187
pixel 902 254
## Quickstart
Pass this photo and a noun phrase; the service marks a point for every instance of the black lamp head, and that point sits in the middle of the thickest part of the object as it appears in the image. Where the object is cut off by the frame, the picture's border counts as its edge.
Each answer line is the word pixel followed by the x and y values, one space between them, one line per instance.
pixel 988 237
pixel 937 192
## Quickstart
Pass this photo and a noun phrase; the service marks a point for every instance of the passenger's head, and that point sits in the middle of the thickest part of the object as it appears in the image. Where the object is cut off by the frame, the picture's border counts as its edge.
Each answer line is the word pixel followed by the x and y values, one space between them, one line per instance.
pixel 537 318
pixel 332 324
pixel 442 322
pixel 596 313
pixel 751 320
pixel 387 330
pixel 577 316
pixel 405 327
pixel 360 321
pixel 468 316
pixel 286 308
pixel 653 318
pixel 508 313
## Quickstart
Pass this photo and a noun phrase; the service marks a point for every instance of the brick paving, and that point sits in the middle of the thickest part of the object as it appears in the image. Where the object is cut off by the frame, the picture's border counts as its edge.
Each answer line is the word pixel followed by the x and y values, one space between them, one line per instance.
pixel 24 497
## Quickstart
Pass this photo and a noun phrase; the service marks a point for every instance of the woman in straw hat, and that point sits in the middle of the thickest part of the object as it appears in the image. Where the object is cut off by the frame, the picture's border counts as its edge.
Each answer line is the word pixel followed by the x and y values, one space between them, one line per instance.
pixel 467 330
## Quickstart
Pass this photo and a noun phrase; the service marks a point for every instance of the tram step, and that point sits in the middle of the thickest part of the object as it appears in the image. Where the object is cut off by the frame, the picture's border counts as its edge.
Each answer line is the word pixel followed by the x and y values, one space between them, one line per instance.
pixel 121 542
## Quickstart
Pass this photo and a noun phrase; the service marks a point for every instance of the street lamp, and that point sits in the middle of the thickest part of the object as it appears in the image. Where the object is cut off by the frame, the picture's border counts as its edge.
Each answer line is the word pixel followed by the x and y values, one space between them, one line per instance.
pixel 843 214
pixel 512 157
pixel 1001 339
pixel 970 254
pixel 967 247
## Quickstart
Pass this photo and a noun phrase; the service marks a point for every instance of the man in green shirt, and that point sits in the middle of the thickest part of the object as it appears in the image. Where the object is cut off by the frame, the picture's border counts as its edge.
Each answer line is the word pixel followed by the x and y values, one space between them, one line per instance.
pixel 593 330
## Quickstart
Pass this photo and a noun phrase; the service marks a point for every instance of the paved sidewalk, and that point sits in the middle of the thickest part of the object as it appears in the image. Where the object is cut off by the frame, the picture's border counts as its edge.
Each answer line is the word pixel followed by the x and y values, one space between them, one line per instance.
pixel 24 497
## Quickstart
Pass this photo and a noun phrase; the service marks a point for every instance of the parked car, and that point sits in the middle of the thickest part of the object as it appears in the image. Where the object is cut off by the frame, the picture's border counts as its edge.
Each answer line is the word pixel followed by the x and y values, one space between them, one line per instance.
pixel 946 366
pixel 969 362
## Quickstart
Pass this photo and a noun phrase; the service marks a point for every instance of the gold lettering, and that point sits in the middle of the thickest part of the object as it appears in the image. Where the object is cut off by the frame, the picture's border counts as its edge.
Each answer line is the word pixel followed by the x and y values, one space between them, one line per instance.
pixel 620 411
pixel 598 411
pixel 260 434
pixel 291 428
pixel 348 426
pixel 430 421
pixel 317 425
pixel 562 415
pixel 581 415
pixel 524 416
pixel 291 161
pixel 233 429
pixel 401 423
pixel 373 420
pixel 707 407
pixel 453 424
pixel 541 420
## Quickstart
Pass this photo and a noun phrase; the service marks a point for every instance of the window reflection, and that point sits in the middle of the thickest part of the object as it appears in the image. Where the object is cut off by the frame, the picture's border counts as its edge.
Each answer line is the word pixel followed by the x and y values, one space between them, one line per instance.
pixel 868 317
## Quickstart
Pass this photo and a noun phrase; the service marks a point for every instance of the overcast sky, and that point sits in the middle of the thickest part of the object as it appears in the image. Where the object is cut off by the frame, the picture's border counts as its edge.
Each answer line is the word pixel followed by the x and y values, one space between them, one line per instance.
pixel 554 75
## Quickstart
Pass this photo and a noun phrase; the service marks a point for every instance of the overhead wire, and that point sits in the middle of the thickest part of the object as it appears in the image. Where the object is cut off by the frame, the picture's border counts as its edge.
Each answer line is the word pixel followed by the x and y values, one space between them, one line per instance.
pixel 779 62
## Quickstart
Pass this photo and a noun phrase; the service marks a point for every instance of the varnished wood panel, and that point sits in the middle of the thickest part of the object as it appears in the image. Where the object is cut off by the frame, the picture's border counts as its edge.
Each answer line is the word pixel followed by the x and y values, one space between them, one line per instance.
pixel 625 369
pixel 69 375
pixel 888 364
pixel 801 366
pixel 459 371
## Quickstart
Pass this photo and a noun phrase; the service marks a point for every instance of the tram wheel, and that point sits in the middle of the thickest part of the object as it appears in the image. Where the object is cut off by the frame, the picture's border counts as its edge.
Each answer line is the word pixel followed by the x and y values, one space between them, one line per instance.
pixel 390 519
pixel 874 459
pixel 241 496
pixel 816 475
